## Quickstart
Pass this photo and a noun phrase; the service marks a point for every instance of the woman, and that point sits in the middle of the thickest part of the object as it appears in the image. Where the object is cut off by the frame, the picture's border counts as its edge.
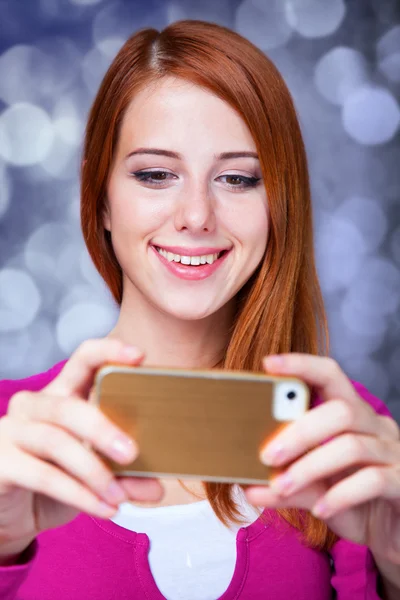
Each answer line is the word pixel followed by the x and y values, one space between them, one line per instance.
pixel 196 212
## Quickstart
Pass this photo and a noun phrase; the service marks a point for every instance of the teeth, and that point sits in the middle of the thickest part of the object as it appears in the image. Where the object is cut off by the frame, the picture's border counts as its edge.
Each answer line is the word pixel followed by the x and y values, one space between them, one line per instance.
pixel 188 260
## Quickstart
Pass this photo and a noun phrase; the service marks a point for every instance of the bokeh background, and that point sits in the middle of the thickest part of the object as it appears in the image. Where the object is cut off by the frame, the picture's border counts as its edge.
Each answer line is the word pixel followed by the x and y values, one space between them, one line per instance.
pixel 341 61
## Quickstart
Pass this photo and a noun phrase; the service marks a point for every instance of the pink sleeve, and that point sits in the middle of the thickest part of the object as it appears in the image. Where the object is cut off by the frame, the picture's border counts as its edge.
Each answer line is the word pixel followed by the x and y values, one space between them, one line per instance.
pixel 355 574
pixel 13 576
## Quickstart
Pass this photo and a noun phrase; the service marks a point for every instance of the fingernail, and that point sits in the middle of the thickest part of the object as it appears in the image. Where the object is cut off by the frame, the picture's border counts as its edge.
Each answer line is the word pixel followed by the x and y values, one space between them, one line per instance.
pixel 283 483
pixel 106 510
pixel 123 446
pixel 114 493
pixel 273 455
pixel 131 352
pixel 274 361
pixel 321 510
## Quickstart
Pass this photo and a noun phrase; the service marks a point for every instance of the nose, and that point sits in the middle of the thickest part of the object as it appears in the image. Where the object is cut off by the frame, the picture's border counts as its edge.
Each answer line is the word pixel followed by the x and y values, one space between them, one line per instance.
pixel 195 210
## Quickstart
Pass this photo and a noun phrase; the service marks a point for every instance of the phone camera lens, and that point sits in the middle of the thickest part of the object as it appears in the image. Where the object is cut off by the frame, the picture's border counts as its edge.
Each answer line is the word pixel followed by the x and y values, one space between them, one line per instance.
pixel 291 395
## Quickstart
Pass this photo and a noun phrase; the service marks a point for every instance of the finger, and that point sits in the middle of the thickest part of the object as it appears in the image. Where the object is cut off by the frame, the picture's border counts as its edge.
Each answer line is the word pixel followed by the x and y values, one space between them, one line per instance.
pixel 364 485
pixel 321 423
pixel 76 378
pixel 341 453
pixel 323 373
pixel 265 496
pixel 85 421
pixel 54 444
pixel 26 471
pixel 142 489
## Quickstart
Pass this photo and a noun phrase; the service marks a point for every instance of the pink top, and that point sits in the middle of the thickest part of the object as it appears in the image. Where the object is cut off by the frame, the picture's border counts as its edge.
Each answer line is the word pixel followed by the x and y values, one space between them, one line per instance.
pixel 96 559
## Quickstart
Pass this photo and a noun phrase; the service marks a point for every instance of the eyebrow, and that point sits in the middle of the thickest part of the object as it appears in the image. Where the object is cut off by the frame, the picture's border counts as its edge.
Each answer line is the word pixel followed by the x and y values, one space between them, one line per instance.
pixel 170 154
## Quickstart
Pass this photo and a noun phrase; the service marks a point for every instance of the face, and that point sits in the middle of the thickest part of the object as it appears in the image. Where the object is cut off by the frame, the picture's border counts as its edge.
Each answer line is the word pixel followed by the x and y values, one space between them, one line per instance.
pixel 188 226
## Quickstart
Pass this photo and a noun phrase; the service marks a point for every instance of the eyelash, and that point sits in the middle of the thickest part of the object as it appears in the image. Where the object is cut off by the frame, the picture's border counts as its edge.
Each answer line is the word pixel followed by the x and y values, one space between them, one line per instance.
pixel 144 176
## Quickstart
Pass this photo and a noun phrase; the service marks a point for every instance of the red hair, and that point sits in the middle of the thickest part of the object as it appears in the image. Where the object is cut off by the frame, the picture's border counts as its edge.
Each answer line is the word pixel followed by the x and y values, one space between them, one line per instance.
pixel 280 309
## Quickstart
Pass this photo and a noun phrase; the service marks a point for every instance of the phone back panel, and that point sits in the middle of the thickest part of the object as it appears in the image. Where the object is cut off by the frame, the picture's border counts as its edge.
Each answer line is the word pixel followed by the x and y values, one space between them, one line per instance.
pixel 189 425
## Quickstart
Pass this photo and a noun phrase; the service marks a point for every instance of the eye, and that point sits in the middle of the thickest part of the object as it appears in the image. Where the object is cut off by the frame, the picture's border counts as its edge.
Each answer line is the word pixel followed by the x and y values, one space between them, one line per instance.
pixel 245 182
pixel 158 178
pixel 152 177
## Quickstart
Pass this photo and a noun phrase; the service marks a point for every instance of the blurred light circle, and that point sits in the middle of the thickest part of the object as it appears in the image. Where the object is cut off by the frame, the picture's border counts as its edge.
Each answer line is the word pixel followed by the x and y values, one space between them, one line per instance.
pixel 376 290
pixel 395 244
pixel 19 300
pixel 390 67
pixel 389 43
pixel 362 322
pixel 62 162
pixel 118 20
pixel 67 261
pixel 15 362
pixel 369 218
pixel 61 66
pixel 26 134
pixel 263 23
pixel 340 251
pixel 82 321
pixel 5 190
pixel 208 10
pixel 314 18
pixel 94 67
pixel 394 368
pixel 340 72
pixel 347 343
pixel 67 121
pixel 388 54
pixel 18 74
pixel 371 115
pixel 43 248
pixel 85 2
pixel 89 271
pixel 369 373
pixel 110 47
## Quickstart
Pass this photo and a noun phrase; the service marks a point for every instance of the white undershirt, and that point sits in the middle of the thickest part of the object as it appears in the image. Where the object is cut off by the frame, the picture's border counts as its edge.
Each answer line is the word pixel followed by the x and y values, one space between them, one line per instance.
pixel 189 547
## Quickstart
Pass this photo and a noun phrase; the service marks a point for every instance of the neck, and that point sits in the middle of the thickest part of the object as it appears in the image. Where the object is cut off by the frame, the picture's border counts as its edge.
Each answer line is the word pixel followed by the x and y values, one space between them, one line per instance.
pixel 171 342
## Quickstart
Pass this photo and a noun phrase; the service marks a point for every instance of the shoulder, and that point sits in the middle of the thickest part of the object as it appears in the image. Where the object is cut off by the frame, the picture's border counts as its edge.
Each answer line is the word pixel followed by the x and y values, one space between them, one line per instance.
pixel 34 383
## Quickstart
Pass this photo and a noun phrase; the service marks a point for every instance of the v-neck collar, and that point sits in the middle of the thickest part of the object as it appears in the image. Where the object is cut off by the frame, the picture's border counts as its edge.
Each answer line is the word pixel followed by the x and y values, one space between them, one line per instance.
pixel 142 545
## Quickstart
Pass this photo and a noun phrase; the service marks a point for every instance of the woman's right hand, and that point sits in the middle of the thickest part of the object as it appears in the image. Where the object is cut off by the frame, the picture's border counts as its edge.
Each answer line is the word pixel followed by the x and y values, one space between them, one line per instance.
pixel 47 476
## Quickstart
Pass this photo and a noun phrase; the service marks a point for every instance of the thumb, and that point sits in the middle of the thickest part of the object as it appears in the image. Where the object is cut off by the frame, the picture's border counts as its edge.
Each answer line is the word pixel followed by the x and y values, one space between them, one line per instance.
pixel 77 375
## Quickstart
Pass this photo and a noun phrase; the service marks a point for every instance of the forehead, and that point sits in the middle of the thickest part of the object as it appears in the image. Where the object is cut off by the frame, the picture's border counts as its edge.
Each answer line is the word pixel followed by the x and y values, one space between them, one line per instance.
pixel 170 109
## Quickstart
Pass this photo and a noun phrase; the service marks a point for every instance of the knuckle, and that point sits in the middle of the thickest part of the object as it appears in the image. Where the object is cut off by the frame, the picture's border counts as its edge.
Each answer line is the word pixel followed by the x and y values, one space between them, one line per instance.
pixel 18 401
pixel 86 347
pixel 345 413
pixel 355 446
pixel 377 478
pixel 45 479
pixel 390 426
pixel 332 367
pixel 57 409
pixel 53 439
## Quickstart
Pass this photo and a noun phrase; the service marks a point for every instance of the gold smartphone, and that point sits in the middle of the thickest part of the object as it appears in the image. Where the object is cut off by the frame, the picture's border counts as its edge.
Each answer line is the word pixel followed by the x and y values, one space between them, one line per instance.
pixel 198 424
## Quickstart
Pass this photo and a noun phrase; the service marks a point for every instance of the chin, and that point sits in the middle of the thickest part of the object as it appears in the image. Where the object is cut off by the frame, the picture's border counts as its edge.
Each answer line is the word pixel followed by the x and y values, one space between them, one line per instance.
pixel 188 312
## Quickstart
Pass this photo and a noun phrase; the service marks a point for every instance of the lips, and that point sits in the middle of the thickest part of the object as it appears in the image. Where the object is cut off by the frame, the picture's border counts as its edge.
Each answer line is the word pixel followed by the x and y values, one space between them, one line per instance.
pixel 190 272
pixel 185 251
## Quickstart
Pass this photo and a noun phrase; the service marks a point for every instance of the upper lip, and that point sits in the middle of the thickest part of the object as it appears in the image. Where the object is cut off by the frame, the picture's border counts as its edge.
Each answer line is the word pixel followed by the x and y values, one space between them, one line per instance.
pixel 183 251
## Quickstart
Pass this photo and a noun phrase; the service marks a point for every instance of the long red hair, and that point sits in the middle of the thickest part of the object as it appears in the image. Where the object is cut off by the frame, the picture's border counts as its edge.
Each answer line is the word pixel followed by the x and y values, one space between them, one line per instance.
pixel 280 309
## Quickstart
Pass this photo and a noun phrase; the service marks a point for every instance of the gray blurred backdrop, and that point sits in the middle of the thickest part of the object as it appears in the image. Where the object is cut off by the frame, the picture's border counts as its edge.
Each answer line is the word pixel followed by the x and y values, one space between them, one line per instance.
pixel 341 61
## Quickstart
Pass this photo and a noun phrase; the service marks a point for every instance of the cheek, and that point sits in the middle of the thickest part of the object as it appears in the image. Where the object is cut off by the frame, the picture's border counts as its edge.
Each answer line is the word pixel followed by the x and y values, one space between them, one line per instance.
pixel 136 217
pixel 250 225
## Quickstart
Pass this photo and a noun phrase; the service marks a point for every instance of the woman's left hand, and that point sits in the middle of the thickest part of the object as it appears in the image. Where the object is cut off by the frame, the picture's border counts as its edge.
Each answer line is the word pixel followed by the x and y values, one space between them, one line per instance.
pixel 354 477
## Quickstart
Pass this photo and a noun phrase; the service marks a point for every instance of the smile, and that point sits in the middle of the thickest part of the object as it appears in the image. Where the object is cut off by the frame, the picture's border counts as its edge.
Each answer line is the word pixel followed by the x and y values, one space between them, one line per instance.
pixel 192 267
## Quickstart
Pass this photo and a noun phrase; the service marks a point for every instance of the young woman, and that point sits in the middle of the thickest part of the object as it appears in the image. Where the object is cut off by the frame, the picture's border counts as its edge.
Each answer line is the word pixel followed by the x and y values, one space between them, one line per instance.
pixel 196 211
